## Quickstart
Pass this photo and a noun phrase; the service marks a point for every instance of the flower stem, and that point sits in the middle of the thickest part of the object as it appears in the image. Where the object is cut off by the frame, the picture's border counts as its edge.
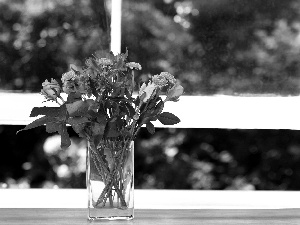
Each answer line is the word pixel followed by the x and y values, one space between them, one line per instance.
pixel 111 176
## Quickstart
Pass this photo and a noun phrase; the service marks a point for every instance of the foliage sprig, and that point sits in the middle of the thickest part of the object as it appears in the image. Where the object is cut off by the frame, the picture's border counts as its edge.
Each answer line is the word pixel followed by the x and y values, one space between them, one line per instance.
pixel 100 102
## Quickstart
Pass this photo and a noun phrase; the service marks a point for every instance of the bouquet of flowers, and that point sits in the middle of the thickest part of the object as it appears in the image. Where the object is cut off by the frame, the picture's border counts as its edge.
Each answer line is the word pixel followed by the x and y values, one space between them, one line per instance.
pixel 101 107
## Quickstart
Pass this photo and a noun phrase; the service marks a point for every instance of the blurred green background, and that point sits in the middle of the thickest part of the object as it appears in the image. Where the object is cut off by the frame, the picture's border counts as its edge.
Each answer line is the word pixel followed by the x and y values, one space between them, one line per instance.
pixel 212 46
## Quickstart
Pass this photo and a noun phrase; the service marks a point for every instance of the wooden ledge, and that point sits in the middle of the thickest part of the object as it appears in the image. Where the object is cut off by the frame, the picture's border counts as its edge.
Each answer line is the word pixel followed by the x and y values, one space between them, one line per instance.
pixel 155 199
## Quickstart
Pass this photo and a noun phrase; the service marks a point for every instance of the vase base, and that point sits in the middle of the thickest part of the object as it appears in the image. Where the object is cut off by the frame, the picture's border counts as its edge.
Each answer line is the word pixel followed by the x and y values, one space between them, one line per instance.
pixel 110 218
pixel 110 214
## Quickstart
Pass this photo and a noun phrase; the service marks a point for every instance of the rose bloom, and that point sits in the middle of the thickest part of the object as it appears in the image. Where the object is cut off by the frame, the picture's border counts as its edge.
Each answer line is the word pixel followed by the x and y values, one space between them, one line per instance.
pixel 163 79
pixel 51 90
pixel 69 86
pixel 134 65
pixel 68 76
pixel 104 62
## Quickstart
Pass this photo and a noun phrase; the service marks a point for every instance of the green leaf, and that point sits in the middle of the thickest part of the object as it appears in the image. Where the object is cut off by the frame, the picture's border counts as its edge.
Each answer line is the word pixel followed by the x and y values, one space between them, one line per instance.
pixel 101 118
pixel 39 122
pixel 93 88
pixel 153 118
pixel 73 97
pixel 137 100
pixel 93 63
pixel 151 104
pixel 52 127
pixel 98 129
pixel 120 123
pixel 63 114
pixel 92 113
pixel 120 65
pixel 93 105
pixel 116 91
pixel 77 120
pixel 127 93
pixel 125 55
pixel 159 108
pixel 167 118
pixel 47 111
pixel 111 130
pixel 65 139
pixel 127 109
pixel 150 127
pixel 78 108
pixel 174 93
pixel 78 124
pixel 144 119
pixel 78 128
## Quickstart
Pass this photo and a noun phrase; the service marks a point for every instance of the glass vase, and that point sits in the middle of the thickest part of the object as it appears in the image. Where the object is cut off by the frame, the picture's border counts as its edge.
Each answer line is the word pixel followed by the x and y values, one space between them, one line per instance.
pixel 110 168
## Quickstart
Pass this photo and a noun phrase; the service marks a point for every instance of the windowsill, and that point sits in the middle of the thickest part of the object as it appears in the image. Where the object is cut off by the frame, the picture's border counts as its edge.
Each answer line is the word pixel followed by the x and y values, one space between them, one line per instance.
pixel 232 112
pixel 154 199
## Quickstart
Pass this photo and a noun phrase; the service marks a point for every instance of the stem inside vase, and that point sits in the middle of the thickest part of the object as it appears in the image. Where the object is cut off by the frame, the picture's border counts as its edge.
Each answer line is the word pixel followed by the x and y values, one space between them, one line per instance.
pixel 110 175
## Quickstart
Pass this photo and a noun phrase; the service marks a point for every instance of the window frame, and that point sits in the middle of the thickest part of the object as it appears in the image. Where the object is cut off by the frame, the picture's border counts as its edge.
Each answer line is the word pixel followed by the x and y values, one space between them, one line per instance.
pixel 219 111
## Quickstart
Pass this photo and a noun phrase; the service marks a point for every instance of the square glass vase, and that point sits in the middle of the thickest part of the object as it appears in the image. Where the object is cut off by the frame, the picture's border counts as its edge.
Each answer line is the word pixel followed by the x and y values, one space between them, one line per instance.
pixel 110 177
